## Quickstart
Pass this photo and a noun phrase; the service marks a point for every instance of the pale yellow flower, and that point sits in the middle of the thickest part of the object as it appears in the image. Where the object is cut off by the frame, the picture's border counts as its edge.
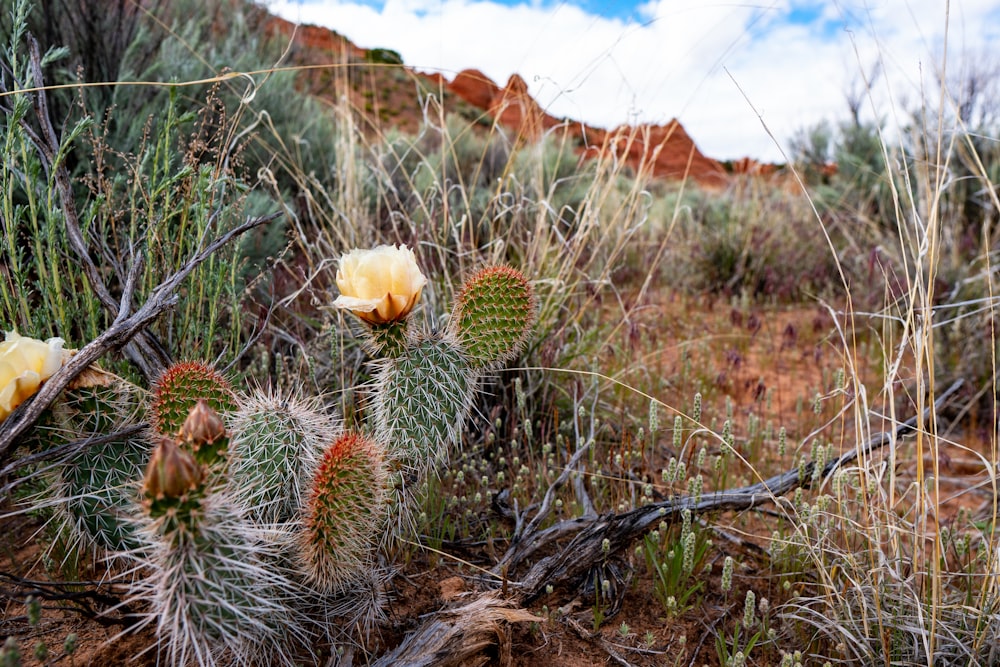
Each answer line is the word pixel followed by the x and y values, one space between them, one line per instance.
pixel 380 285
pixel 24 364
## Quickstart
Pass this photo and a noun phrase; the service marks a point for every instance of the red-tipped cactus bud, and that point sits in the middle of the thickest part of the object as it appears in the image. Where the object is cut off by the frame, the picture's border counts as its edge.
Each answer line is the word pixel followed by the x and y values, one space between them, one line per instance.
pixel 171 472
pixel 203 425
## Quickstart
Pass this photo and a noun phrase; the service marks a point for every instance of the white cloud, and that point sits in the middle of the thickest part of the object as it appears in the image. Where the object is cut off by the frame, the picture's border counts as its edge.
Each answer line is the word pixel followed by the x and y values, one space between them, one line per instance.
pixel 687 59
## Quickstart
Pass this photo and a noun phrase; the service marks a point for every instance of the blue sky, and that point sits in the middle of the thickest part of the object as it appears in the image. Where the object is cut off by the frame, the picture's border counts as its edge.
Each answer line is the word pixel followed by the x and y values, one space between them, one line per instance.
pixel 734 73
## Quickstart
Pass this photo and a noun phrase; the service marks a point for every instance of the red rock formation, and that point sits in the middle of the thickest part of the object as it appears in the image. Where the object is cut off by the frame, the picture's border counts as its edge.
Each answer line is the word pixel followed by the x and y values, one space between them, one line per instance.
pixel 475 88
pixel 311 38
pixel 665 151
pixel 659 151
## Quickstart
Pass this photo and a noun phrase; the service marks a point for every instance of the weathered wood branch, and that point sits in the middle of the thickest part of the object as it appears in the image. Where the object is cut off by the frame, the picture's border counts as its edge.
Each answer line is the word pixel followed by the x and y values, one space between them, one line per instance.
pixel 460 635
pixel 586 548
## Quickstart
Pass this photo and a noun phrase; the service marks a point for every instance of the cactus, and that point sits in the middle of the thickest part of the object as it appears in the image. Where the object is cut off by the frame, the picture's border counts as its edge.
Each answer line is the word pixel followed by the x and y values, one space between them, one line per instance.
pixel 422 395
pixel 215 594
pixel 493 315
pixel 344 512
pixel 276 444
pixel 421 400
pixel 260 519
pixel 99 486
pixel 96 489
pixel 179 389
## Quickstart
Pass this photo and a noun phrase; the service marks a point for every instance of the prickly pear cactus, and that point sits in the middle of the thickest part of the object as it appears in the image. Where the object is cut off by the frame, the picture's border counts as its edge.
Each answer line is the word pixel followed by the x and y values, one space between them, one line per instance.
pixel 493 315
pixel 421 400
pixel 344 512
pixel 179 389
pixel 277 442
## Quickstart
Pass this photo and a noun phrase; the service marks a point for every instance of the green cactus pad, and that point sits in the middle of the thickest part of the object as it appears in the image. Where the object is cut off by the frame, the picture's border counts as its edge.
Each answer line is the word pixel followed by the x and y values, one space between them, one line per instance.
pixel 421 400
pixel 178 390
pixel 344 511
pixel 275 442
pixel 99 485
pixel 494 315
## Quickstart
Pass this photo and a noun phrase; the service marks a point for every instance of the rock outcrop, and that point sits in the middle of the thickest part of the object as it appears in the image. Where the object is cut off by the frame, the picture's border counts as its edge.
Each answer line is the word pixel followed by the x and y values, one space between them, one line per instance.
pixel 659 151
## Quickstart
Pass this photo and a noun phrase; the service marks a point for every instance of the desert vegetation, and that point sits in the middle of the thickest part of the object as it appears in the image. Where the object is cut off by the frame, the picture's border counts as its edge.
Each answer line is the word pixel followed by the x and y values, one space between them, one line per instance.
pixel 603 418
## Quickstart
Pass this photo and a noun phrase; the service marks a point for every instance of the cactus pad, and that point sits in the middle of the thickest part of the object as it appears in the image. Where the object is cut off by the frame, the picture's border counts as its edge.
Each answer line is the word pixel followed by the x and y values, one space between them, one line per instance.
pixel 494 315
pixel 344 511
pixel 276 441
pixel 421 400
pixel 99 483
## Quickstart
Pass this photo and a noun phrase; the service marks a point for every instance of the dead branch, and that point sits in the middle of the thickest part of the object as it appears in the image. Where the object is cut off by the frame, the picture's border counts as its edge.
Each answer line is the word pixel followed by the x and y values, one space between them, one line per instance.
pixel 65 452
pixel 92 599
pixel 123 329
pixel 460 635
pixel 587 548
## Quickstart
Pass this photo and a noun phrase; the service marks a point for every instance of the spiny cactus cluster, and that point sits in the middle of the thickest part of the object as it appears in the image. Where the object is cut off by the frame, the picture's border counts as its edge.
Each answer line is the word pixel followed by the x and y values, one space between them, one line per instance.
pixel 252 522
pixel 423 393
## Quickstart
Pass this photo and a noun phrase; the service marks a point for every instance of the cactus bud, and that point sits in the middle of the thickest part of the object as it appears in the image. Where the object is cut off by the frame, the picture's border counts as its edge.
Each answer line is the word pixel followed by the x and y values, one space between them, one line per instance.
pixel 203 425
pixel 171 472
pixel 204 431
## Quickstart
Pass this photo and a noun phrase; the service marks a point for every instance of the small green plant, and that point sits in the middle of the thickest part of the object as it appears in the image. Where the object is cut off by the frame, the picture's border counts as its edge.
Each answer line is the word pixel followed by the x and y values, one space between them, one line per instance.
pixel 673 563
pixel 602 594
pixel 734 651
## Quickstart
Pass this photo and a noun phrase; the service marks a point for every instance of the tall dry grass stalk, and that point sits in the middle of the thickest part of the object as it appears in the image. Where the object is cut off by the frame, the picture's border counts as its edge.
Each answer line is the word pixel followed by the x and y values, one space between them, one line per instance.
pixel 907 572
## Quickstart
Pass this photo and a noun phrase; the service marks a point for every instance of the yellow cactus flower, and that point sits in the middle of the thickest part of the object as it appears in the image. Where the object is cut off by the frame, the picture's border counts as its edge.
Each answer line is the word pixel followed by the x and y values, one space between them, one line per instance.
pixel 380 285
pixel 24 364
